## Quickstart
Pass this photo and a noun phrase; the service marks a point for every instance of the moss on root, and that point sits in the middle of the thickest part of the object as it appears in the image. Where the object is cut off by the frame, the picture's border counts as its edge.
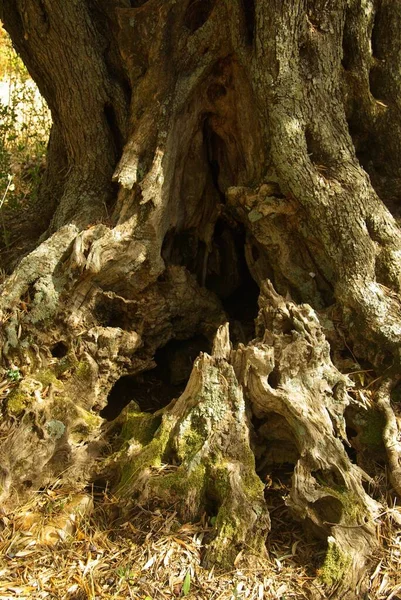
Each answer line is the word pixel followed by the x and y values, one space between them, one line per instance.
pixel 140 426
pixel 91 420
pixel 83 370
pixel 84 425
pixel 336 564
pixel 17 402
pixel 22 396
pixel 206 435
pixel 238 492
pixel 47 377
pixel 184 488
pixel 138 458
pixel 353 510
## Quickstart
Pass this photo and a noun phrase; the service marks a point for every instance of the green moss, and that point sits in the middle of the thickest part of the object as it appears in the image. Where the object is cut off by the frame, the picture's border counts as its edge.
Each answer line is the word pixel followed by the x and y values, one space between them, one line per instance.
pixel 191 439
pixel 183 483
pixel 47 377
pixel 231 531
pixel 252 484
pixel 23 395
pixel 83 370
pixel 226 524
pixel 352 507
pixel 149 456
pixel 220 482
pixel 91 420
pixel 335 565
pixel 86 424
pixel 140 426
pixel 17 402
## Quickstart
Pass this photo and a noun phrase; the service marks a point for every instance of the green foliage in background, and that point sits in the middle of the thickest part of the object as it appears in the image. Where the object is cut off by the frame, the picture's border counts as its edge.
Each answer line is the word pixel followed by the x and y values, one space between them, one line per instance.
pixel 24 132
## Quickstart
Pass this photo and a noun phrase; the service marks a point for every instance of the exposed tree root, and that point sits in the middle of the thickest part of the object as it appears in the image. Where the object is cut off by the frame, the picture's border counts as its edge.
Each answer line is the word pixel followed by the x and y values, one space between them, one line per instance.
pixel 391 433
pixel 205 438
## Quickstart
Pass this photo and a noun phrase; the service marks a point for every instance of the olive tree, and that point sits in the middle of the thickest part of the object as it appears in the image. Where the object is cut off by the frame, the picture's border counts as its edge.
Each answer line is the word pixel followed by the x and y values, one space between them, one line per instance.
pixel 220 249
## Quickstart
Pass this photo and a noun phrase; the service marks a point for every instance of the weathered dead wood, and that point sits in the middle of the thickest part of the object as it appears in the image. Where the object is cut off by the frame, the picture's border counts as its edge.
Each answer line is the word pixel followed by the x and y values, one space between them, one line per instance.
pixel 391 431
pixel 288 372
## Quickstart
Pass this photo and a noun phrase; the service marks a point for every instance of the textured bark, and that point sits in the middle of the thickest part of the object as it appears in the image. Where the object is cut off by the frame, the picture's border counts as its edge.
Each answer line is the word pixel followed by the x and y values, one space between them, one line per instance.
pixel 201 152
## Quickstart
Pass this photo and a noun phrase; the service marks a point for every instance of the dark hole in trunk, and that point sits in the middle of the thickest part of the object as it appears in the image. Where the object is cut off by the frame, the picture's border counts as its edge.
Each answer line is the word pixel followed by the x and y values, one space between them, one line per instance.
pixel 98 487
pixel 367 149
pixel 396 393
pixel 137 3
pixel 377 83
pixel 329 478
pixel 351 452
pixel 211 507
pixel 378 39
pixel 351 433
pixel 275 452
pixel 228 276
pixel 186 249
pixel 328 509
pixel 197 13
pixel 350 50
pixel 111 311
pixel 273 379
pixel 59 350
pixel 111 120
pixel 249 12
pixel 223 270
pixel 155 389
pixel 280 475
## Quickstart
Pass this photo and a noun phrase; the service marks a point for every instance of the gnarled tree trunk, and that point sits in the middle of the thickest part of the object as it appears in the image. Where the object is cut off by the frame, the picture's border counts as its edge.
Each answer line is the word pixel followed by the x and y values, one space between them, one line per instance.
pixel 211 163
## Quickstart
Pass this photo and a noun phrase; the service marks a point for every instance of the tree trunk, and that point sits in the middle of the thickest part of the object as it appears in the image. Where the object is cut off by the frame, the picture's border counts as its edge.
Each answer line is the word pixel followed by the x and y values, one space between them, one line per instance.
pixel 212 163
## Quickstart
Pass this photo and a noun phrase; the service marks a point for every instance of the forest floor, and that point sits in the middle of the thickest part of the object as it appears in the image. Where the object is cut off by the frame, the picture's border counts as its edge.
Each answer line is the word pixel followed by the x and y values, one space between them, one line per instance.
pixel 75 545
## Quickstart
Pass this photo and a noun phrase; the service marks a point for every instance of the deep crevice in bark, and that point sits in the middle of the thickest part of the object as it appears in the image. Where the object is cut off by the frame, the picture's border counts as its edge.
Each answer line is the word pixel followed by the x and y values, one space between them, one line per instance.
pixel 376 84
pixel 249 12
pixel 377 36
pixel 137 3
pixel 111 119
pixel 348 48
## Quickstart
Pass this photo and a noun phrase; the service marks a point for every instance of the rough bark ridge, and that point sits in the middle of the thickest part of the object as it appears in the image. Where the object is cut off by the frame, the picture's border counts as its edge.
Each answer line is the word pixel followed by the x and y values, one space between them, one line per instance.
pixel 254 149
